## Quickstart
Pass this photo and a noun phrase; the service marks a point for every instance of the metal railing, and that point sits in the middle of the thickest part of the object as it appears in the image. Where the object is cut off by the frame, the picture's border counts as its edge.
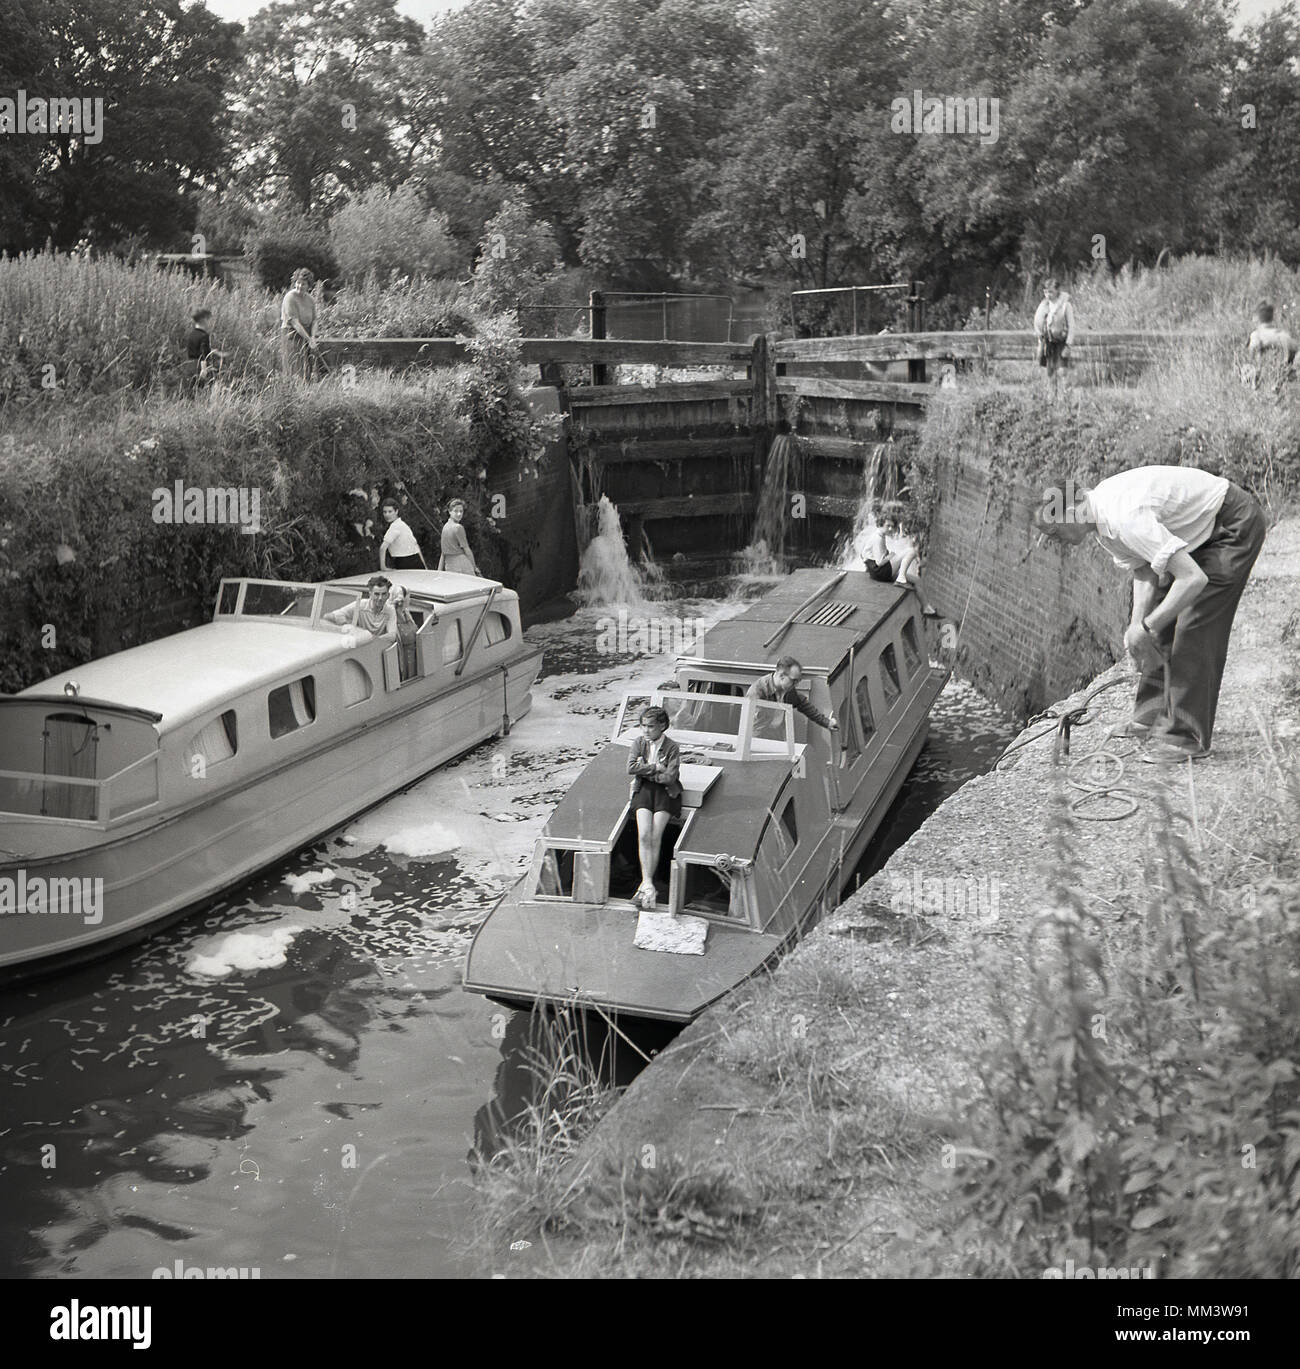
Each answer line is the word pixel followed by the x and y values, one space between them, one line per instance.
pixel 913 291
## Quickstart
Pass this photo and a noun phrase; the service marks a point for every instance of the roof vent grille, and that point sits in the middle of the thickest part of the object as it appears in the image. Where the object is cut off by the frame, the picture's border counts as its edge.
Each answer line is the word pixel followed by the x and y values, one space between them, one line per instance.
pixel 827 615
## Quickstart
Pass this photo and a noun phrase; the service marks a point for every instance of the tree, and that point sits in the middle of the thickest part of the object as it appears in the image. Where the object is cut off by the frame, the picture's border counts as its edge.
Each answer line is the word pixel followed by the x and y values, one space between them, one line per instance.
pixel 479 120
pixel 788 155
pixel 1258 196
pixel 161 72
pixel 1106 145
pixel 318 100
pixel 642 89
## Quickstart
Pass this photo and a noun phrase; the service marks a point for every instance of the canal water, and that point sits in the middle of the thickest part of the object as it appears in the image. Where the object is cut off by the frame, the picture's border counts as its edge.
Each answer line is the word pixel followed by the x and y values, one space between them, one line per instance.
pixel 293 1081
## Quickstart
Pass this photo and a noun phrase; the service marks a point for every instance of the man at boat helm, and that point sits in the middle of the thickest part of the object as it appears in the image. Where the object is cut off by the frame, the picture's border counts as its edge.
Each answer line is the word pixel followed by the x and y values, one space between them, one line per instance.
pixel 1189 539
pixel 375 615
pixel 781 687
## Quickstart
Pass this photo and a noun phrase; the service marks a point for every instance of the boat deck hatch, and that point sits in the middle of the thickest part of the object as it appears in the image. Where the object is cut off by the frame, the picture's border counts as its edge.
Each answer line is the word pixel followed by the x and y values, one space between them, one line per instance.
pixel 827 615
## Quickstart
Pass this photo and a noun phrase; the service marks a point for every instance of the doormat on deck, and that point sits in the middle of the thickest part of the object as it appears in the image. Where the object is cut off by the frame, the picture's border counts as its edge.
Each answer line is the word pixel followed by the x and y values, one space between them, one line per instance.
pixel 658 930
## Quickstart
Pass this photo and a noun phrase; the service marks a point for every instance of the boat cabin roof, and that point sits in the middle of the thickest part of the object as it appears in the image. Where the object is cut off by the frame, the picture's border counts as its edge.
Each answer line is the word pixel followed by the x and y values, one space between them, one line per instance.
pixel 442 586
pixel 823 631
pixel 191 673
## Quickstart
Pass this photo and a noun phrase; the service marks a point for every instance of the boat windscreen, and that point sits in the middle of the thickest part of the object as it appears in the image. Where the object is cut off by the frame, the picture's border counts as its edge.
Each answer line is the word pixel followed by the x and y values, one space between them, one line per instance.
pixel 268 600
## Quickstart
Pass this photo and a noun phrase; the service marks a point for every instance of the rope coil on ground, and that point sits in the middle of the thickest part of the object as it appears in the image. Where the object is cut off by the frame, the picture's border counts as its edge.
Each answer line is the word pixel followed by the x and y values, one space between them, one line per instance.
pixel 1062 724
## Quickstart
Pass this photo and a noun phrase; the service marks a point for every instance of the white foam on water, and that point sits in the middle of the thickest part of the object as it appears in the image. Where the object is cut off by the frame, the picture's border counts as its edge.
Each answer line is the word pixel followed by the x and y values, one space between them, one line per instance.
pixel 431 839
pixel 252 948
pixel 300 884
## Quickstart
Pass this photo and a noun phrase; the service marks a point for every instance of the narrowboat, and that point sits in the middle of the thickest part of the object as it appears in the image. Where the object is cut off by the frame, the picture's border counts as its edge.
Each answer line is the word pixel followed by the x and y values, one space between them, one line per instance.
pixel 777 811
pixel 140 785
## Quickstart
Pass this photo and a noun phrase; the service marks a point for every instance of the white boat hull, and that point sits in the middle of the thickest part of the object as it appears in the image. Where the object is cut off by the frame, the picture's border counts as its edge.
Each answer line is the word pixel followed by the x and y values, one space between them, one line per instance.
pixel 163 868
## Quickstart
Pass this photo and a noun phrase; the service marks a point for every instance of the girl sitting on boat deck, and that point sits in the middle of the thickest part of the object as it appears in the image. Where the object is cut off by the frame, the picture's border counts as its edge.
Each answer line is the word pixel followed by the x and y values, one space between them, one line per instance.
pixel 654 763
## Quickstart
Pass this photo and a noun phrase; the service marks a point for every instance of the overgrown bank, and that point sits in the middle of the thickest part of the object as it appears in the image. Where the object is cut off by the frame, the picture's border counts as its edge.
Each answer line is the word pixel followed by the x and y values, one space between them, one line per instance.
pixel 94 558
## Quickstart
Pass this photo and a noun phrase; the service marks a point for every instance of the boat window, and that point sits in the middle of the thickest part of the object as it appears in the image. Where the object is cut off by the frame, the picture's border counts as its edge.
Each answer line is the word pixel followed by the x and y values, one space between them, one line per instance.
pixel 278 601
pixel 496 628
pixel 556 877
pixel 786 830
pixel 789 822
pixel 728 688
pixel 889 676
pixel 229 599
pixel 911 651
pixel 215 742
pixel 357 684
pixel 708 890
pixel 71 744
pixel 292 706
pixel 862 696
pixel 452 645
pixel 332 600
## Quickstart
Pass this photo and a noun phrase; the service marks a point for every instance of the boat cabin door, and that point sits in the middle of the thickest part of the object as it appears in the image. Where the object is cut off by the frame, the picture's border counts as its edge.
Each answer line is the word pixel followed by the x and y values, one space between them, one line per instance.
pixel 71 745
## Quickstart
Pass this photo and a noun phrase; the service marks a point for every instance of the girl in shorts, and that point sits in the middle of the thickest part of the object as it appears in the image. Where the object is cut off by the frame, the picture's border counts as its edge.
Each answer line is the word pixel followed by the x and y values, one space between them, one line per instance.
pixel 654 763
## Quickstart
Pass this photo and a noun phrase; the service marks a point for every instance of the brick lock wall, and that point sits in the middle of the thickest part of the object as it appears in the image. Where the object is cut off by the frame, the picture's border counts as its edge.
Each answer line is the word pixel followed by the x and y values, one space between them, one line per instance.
pixel 1038 624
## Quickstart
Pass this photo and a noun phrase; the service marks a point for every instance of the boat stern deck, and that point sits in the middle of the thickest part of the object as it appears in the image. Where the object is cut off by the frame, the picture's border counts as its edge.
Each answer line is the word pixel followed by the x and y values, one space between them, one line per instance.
pixel 583 955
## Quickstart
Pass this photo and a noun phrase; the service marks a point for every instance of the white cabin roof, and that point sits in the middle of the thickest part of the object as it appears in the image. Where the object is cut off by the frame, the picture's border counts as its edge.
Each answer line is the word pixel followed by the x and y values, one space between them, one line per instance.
pixel 196 672
pixel 443 586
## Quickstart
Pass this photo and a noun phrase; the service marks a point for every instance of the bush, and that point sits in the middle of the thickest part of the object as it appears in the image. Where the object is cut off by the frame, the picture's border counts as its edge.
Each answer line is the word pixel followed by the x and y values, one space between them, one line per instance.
pixel 403 308
pixel 278 250
pixel 392 233
pixel 518 259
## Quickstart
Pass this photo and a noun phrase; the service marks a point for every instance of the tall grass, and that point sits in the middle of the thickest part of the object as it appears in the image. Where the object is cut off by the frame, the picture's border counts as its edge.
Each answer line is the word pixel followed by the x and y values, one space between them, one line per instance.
pixel 1194 293
pixel 74 326
pixel 1145 1112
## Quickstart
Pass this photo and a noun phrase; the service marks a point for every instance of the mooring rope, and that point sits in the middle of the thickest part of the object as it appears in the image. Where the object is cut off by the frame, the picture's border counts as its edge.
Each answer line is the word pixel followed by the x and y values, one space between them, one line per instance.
pixel 1062 723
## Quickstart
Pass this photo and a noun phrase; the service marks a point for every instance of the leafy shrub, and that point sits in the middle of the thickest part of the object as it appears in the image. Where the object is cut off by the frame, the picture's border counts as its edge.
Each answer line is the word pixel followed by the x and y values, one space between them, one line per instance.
pixel 392 233
pixel 276 251
pixel 402 308
pixel 1146 1112
pixel 518 259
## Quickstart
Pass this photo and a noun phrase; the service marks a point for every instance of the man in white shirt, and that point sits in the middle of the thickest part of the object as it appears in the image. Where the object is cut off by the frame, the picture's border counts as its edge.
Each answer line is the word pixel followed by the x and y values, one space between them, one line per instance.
pixel 1189 539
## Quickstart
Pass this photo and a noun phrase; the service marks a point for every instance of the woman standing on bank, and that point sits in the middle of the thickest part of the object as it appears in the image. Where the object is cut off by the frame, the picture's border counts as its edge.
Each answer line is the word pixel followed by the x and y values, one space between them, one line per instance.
pixel 399 549
pixel 298 326
pixel 456 554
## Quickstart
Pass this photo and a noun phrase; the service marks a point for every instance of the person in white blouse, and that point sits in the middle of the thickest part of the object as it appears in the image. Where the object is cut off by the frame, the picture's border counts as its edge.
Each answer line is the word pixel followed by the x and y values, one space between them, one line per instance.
pixel 399 549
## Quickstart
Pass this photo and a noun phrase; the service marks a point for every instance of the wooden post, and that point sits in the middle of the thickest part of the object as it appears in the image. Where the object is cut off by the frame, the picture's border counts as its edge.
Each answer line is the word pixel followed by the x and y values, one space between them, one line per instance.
pixel 596 300
pixel 916 324
pixel 761 400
